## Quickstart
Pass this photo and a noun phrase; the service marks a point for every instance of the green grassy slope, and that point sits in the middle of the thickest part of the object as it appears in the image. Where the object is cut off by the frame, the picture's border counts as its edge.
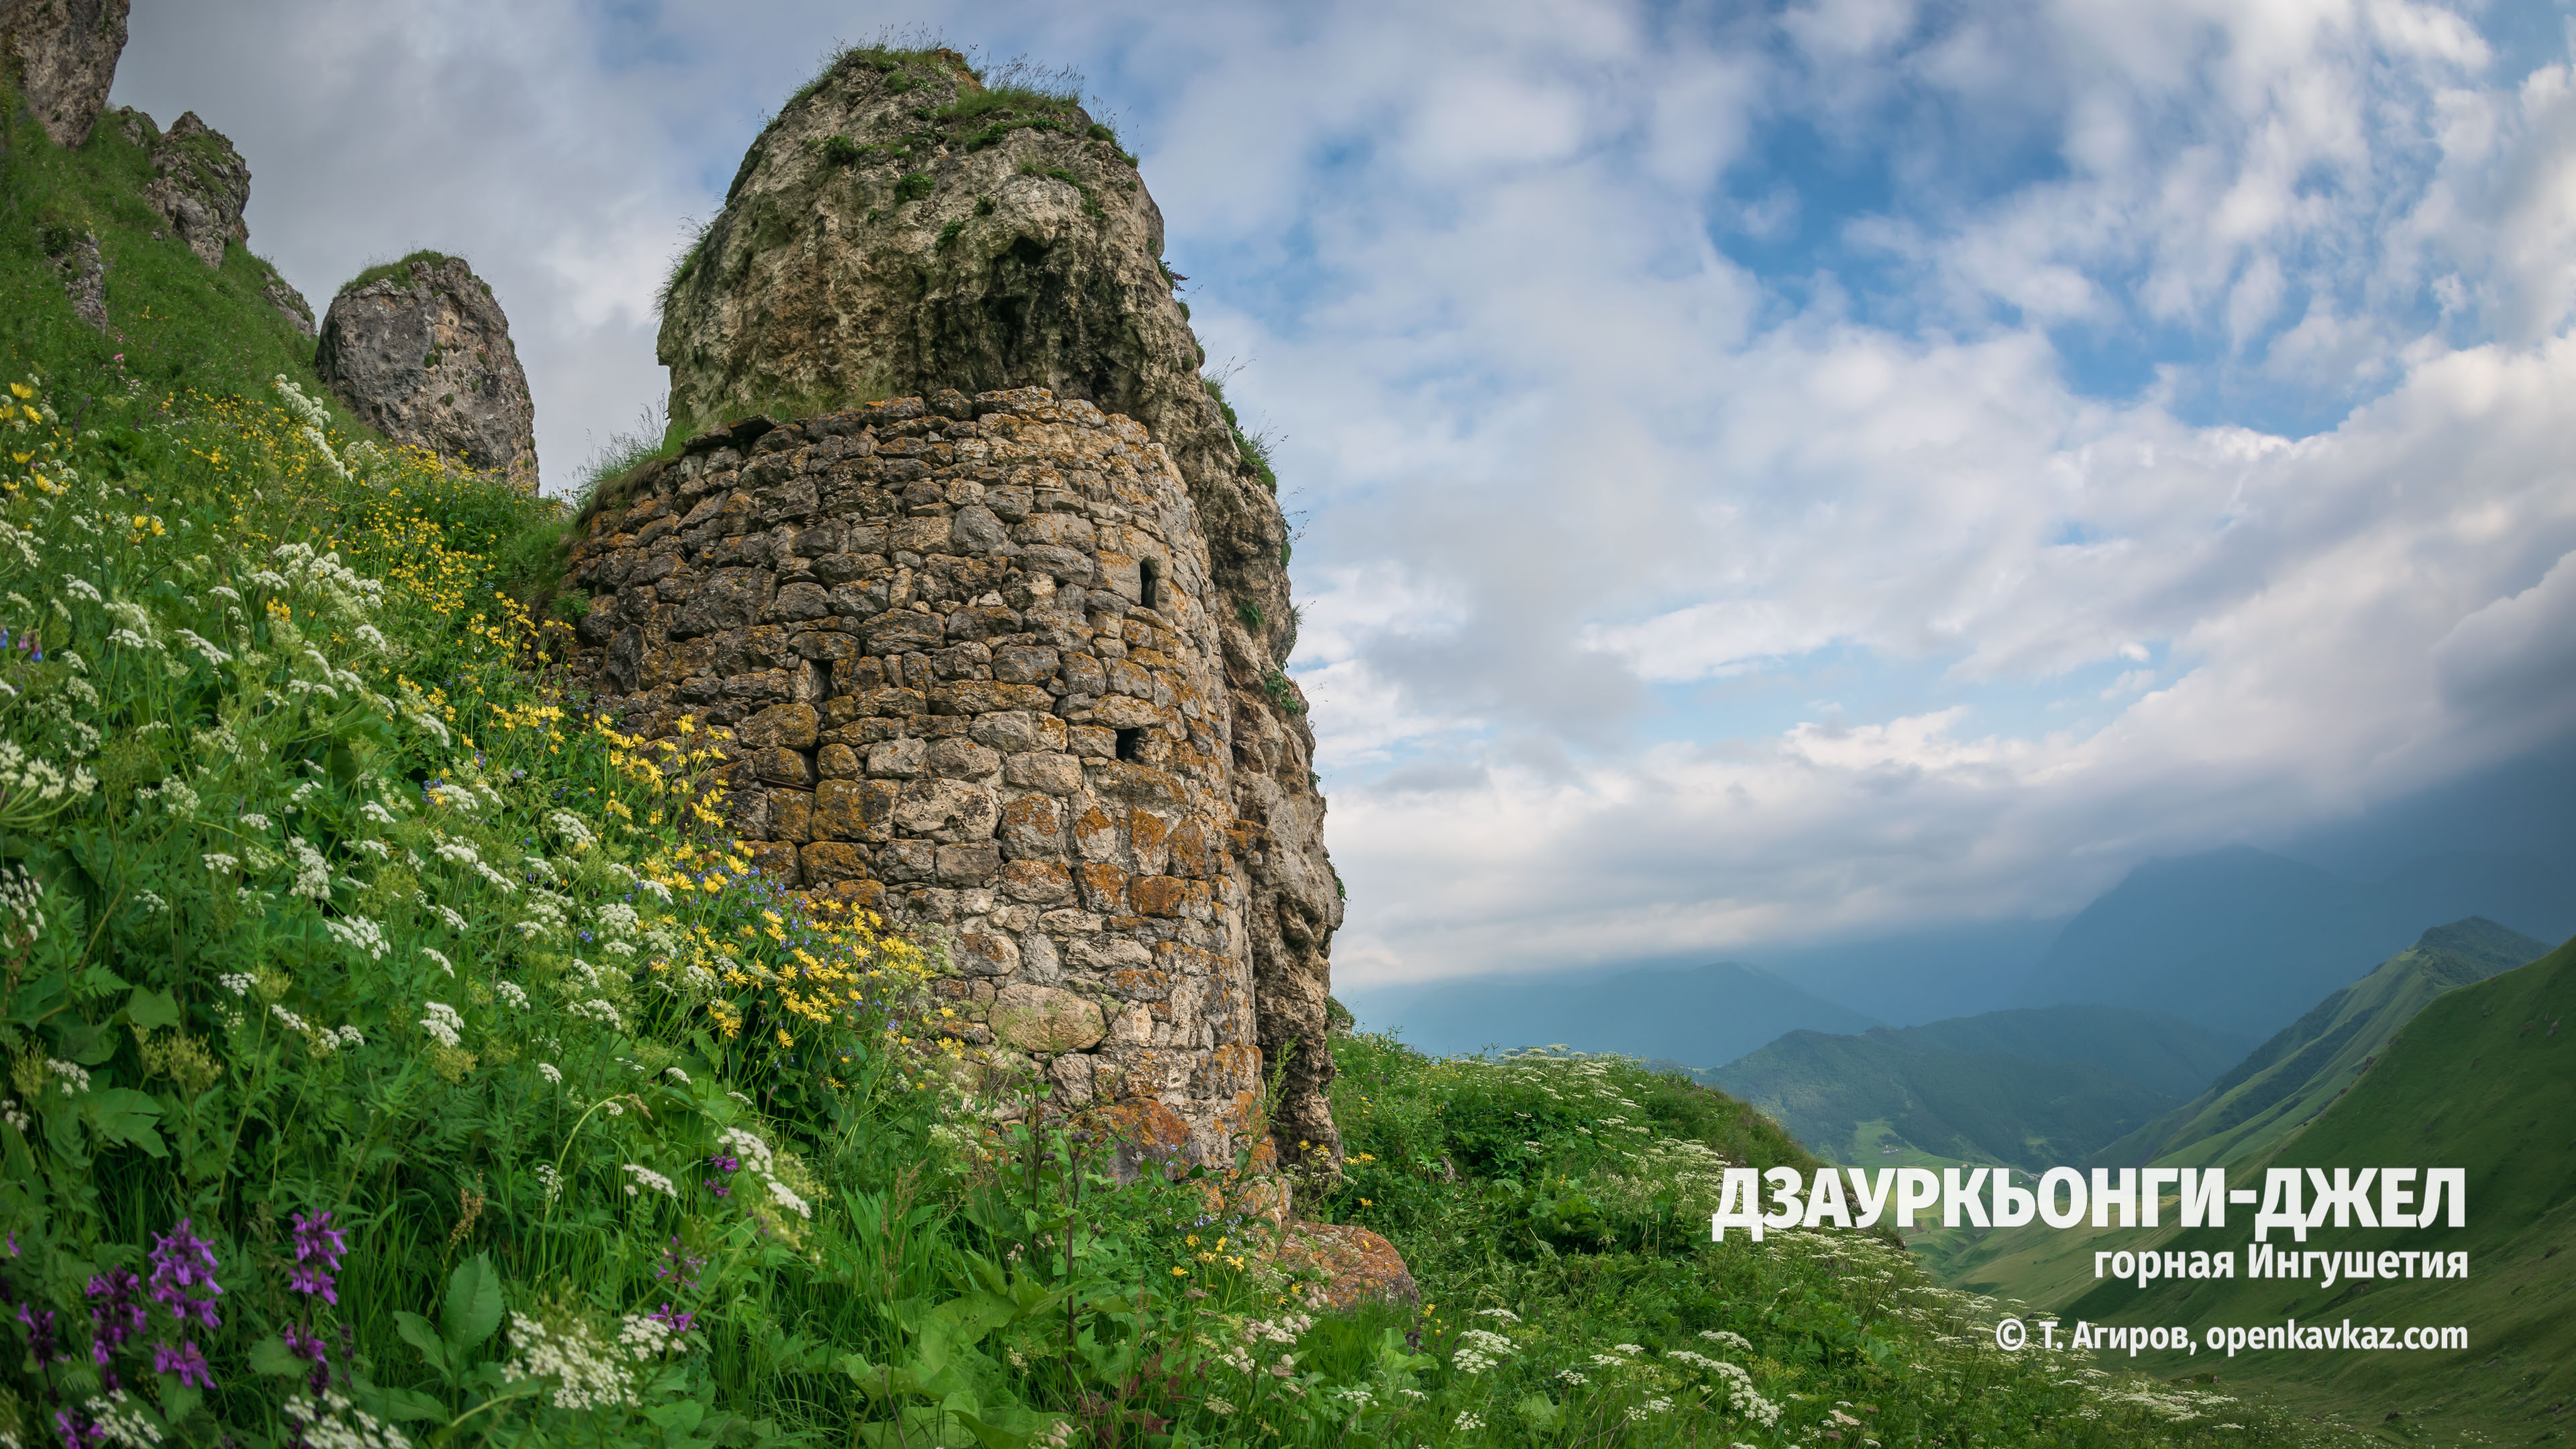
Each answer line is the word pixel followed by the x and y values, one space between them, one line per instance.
pixel 2033 1088
pixel 2292 1077
pixel 2483 1078
pixel 2282 1084
pixel 173 322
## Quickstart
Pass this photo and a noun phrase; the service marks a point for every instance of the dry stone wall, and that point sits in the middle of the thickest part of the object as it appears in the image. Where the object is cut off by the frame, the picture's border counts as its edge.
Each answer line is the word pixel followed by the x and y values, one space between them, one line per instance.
pixel 969 656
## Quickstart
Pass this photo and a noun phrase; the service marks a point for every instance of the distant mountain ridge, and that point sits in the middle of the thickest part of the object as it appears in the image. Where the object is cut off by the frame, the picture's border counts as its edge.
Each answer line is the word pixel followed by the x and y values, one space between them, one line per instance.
pixel 2030 1088
pixel 1700 1014
pixel 2305 1066
pixel 2244 940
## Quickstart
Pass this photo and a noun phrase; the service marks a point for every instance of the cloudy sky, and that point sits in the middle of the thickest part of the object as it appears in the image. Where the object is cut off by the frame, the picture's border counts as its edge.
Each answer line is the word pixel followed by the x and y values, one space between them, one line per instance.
pixel 1767 472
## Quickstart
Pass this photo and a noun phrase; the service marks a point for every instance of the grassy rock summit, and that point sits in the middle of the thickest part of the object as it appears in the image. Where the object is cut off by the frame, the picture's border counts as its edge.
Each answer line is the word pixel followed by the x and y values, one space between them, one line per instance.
pixel 419 349
pixel 903 228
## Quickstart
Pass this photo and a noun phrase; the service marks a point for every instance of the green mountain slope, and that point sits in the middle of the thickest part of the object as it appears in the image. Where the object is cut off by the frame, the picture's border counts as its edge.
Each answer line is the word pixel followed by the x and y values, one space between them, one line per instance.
pixel 2030 1088
pixel 2292 1077
pixel 2483 1079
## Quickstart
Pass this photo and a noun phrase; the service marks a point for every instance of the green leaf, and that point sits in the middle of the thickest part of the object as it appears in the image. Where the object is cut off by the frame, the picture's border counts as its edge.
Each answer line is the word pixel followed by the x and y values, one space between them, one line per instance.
pixel 1541 1414
pixel 387 1402
pixel 473 1305
pixel 271 1356
pixel 151 1010
pixel 415 1330
pixel 123 1115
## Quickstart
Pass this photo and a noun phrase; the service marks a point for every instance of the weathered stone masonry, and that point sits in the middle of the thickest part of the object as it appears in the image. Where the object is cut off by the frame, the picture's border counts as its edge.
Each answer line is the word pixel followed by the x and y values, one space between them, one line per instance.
pixel 970 656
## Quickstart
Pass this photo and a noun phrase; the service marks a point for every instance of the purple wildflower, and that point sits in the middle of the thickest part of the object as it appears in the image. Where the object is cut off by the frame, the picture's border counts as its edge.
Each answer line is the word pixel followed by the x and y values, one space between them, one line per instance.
pixel 77 1435
pixel 117 1312
pixel 306 1279
pixel 312 1350
pixel 678 1267
pixel 316 1238
pixel 39 1323
pixel 181 1261
pixel 186 1361
pixel 679 1321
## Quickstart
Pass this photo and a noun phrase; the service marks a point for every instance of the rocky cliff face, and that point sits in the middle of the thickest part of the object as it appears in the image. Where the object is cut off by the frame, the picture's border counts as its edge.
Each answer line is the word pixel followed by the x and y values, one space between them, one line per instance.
pixel 62 55
pixel 424 356
pixel 899 230
pixel 202 185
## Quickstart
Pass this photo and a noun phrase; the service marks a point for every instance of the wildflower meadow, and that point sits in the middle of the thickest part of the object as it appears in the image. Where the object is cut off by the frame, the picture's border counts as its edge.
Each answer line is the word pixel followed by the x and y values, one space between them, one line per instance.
pixel 397 1054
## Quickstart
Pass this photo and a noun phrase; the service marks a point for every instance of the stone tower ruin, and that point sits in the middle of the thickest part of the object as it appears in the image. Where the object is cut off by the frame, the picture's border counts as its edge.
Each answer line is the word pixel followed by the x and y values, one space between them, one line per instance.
pixel 989 595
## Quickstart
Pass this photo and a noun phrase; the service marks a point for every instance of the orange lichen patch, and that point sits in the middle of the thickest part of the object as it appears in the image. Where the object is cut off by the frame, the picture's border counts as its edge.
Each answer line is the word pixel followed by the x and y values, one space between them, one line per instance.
pixel 1359 1266
pixel 1143 1130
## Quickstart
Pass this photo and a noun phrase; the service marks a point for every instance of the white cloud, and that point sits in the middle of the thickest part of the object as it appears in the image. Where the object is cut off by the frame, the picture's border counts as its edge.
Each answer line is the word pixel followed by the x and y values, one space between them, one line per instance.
pixel 1594 500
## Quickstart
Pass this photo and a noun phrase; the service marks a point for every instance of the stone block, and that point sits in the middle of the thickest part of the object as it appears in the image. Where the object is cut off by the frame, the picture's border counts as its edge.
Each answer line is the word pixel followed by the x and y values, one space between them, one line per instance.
pixel 902 759
pixel 986 696
pixel 1024 664
pixel 903 631
pixel 950 811
pixel 968 865
pixel 1090 742
pixel 1033 828
pixel 791 816
pixel 984 951
pixel 906 861
pixel 827 861
pixel 854 809
pixel 775 859
pixel 837 762
pixel 963 759
pixel 797 602
pixel 1011 731
pixel 785 767
pixel 1104 887
pixel 1040 882
pixel 1046 1019
pixel 1054 774
pixel 1095 835
pixel 1161 895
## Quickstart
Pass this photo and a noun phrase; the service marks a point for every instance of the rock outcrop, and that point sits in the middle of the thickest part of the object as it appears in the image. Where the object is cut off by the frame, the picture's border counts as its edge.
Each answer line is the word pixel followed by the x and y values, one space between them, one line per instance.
pixel 421 352
pixel 970 656
pixel 61 55
pixel 899 230
pixel 202 185
pixel 84 275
